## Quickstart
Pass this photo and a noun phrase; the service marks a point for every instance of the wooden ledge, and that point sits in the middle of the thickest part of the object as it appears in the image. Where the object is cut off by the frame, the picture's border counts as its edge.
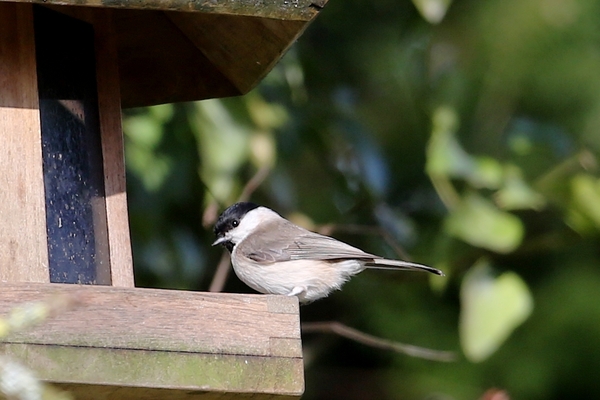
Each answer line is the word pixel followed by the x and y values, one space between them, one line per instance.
pixel 298 10
pixel 146 343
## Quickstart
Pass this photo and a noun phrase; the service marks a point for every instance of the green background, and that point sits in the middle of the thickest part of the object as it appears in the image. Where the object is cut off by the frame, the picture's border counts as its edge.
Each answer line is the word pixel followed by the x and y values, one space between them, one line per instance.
pixel 462 135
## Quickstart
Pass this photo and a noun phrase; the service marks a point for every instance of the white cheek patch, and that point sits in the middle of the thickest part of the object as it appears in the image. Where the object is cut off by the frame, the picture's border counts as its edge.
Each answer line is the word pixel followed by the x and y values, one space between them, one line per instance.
pixel 252 220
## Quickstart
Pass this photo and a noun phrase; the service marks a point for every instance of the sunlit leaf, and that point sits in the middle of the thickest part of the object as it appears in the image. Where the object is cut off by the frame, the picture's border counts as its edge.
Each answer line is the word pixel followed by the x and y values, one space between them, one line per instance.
pixel 480 223
pixel 491 308
pixel 585 191
pixel 265 115
pixel 144 134
pixel 433 11
pixel 486 174
pixel 446 157
pixel 262 149
pixel 223 144
pixel 516 194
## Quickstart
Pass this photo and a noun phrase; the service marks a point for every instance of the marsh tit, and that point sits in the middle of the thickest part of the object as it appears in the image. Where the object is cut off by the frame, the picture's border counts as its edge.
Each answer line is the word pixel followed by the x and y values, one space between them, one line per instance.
pixel 272 255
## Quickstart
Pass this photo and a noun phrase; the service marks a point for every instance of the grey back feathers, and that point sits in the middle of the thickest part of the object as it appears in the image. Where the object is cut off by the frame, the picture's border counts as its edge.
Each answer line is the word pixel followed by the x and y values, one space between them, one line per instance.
pixel 282 240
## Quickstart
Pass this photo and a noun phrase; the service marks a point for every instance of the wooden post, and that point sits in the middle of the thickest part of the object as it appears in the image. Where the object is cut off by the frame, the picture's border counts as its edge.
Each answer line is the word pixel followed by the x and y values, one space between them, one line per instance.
pixel 109 104
pixel 23 245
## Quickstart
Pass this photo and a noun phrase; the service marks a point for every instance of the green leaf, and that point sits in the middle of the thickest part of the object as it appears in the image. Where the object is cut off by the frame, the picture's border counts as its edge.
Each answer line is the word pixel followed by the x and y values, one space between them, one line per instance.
pixel 491 308
pixel 480 223
pixel 585 191
pixel 447 158
pixel 223 144
pixel 516 194
pixel 144 134
pixel 433 11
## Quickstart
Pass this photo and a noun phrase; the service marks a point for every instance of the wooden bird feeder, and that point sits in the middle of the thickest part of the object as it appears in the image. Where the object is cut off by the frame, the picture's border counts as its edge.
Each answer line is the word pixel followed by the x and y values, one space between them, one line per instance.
pixel 66 68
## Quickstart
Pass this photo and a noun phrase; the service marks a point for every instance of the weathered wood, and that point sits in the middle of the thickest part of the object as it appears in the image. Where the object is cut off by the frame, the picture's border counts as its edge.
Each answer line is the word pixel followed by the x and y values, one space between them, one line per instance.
pixel 169 56
pixel 125 374
pixel 159 64
pixel 196 56
pixel 109 105
pixel 260 42
pixel 23 244
pixel 135 342
pixel 302 10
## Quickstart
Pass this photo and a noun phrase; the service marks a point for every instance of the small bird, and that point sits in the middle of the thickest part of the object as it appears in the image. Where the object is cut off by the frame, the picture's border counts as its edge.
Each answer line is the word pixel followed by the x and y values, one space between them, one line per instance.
pixel 272 255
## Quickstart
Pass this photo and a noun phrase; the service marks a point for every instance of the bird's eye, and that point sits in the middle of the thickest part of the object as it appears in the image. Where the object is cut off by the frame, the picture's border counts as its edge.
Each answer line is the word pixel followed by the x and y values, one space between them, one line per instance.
pixel 235 223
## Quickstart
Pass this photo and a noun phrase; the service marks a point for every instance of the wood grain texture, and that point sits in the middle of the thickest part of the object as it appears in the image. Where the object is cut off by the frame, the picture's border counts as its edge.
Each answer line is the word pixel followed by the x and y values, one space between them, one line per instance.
pixel 23 243
pixel 246 49
pixel 195 56
pixel 281 9
pixel 137 343
pixel 185 55
pixel 158 63
pixel 109 105
pixel 164 320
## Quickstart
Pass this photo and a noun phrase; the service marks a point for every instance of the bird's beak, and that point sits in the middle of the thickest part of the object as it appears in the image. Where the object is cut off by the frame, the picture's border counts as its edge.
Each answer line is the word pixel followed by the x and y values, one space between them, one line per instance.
pixel 219 240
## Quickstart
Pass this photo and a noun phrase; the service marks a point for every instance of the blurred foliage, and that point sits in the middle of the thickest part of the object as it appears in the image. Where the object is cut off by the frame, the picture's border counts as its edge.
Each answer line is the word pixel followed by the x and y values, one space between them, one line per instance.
pixel 490 309
pixel 467 133
pixel 18 382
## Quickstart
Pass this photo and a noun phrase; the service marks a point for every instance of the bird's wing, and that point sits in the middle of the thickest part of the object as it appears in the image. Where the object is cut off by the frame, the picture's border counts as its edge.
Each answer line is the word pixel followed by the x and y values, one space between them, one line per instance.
pixel 288 242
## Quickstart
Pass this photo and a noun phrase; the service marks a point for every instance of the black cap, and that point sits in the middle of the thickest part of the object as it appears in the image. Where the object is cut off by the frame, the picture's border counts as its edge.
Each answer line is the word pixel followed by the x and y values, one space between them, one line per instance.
pixel 232 216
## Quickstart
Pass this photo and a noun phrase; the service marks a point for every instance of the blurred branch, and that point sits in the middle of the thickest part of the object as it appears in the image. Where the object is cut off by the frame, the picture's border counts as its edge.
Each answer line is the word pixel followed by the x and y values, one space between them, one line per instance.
pixel 347 332
pixel 448 194
pixel 222 272
pixel 254 183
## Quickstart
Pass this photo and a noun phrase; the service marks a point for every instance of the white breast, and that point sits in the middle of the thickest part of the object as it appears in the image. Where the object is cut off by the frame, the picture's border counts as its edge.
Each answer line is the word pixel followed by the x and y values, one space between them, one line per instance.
pixel 317 278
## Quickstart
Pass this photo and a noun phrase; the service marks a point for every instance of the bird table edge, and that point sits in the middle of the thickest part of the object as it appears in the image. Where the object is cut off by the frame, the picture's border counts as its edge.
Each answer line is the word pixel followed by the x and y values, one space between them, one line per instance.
pixel 300 10
pixel 136 343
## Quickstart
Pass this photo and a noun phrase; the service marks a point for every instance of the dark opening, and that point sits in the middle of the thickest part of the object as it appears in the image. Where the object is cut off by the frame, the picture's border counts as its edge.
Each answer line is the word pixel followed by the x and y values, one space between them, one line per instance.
pixel 71 148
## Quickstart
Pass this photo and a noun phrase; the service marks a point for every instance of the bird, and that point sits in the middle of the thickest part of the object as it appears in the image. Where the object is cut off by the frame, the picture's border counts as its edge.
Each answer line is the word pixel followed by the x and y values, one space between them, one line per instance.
pixel 275 256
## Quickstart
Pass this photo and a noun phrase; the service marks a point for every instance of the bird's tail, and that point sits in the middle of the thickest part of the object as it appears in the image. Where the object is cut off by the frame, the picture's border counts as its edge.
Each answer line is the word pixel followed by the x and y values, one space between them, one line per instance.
pixel 383 263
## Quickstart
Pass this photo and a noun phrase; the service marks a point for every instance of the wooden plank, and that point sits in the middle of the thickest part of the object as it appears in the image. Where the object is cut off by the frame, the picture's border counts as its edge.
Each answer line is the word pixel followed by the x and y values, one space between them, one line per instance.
pixel 122 343
pixel 23 243
pixel 109 104
pixel 247 48
pixel 163 320
pixel 124 374
pixel 303 10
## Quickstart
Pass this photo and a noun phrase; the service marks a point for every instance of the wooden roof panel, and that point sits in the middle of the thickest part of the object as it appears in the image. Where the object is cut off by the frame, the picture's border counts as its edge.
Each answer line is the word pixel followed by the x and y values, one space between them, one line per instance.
pixel 181 50
pixel 159 64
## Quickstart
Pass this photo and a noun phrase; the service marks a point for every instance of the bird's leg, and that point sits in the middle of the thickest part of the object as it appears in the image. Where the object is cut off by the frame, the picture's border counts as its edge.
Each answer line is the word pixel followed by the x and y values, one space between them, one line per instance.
pixel 297 290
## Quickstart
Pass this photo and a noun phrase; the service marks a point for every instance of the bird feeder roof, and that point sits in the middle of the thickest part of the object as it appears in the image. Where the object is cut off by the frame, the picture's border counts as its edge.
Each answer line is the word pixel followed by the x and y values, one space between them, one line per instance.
pixel 184 50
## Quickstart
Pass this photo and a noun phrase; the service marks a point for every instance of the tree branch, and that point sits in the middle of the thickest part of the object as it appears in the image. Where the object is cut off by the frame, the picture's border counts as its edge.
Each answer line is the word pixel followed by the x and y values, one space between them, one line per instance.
pixel 221 274
pixel 222 271
pixel 347 332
